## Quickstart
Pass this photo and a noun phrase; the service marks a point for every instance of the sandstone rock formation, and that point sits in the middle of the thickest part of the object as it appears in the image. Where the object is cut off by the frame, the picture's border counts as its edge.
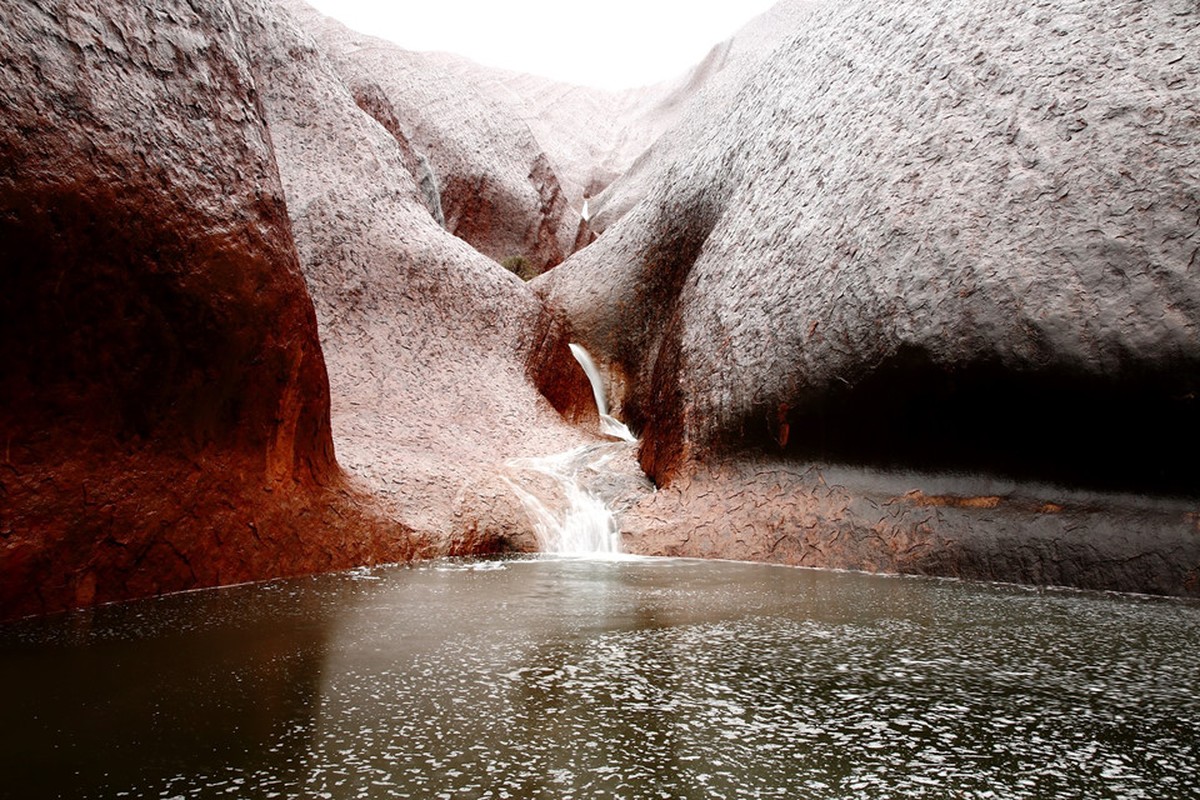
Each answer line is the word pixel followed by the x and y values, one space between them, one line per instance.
pixel 166 413
pixel 433 349
pixel 590 136
pixel 167 408
pixel 505 160
pixel 676 116
pixel 880 246
pixel 605 145
pixel 970 527
pixel 916 200
pixel 959 237
pixel 495 187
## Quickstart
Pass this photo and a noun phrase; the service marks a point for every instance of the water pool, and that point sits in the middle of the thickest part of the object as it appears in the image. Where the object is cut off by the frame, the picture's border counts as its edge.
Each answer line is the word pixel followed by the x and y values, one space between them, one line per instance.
pixel 639 678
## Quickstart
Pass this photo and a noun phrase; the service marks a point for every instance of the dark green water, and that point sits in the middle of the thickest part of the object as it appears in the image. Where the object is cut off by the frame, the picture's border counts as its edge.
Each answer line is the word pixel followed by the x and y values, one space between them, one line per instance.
pixel 635 679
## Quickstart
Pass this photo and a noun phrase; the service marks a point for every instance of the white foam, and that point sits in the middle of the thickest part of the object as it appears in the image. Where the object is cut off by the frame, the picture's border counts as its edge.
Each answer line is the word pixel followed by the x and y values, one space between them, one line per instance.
pixel 575 522
pixel 570 520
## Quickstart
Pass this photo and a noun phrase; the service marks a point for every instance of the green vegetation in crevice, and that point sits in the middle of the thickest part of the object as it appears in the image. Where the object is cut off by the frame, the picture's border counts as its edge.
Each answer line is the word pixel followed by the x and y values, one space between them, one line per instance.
pixel 520 266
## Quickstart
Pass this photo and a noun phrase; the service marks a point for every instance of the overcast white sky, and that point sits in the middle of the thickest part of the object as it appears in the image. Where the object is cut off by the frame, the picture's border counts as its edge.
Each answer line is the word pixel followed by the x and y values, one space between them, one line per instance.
pixel 614 44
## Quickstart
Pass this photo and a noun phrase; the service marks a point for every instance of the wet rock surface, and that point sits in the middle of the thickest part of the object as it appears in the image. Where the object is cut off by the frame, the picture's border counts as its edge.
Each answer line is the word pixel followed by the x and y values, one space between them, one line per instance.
pixel 974 528
pixel 495 186
pixel 239 239
pixel 909 212
pixel 433 350
pixel 166 413
pixel 943 238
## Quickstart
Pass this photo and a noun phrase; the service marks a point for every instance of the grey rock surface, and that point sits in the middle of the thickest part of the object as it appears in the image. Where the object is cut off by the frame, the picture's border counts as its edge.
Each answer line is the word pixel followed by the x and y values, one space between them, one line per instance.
pixel 924 524
pixel 428 343
pixel 680 114
pixel 496 188
pixel 993 199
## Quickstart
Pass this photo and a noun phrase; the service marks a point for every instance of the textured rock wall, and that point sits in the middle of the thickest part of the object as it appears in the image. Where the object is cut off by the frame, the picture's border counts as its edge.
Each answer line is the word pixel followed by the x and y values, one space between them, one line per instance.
pixel 166 413
pixel 680 115
pixel 906 204
pixel 140 248
pixel 590 136
pixel 958 238
pixel 974 529
pixel 433 349
pixel 497 189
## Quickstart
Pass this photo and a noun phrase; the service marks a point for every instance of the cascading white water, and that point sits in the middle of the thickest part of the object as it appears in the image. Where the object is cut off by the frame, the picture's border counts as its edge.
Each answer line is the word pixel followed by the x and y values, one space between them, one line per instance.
pixel 609 425
pixel 567 517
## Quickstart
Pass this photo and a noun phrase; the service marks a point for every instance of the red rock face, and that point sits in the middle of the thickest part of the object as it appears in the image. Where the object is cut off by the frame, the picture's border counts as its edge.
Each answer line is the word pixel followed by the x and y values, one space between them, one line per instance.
pixel 101 523
pixel 204 208
pixel 166 412
pixel 137 249
pixel 166 422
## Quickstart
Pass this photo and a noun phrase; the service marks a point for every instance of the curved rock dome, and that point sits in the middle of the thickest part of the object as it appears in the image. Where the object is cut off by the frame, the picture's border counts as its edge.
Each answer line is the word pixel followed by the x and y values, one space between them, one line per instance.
pixel 962 235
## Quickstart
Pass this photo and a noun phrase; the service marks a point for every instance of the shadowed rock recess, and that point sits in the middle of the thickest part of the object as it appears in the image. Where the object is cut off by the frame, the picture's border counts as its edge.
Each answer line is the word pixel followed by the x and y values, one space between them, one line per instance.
pixel 892 287
pixel 959 239
pixel 166 412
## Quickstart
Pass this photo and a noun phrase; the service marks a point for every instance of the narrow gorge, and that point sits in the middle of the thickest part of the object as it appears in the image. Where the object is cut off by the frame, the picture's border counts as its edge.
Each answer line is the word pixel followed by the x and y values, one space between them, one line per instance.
pixel 901 290
pixel 820 423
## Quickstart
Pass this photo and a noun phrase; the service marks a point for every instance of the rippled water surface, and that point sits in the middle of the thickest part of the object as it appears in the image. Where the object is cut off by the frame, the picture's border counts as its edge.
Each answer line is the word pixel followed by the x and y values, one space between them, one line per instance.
pixel 576 679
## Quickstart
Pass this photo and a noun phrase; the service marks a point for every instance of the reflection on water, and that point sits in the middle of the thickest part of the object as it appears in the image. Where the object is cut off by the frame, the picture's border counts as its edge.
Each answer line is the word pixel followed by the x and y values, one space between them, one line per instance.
pixel 639 678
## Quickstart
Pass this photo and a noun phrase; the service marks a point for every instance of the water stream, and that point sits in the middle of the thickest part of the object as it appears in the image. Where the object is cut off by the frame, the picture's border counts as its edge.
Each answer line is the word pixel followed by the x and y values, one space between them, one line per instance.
pixel 559 492
pixel 609 425
pixel 568 518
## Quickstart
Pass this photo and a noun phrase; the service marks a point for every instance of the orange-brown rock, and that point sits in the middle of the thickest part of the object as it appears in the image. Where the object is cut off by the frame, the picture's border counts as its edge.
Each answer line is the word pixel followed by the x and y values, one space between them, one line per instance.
pixel 165 414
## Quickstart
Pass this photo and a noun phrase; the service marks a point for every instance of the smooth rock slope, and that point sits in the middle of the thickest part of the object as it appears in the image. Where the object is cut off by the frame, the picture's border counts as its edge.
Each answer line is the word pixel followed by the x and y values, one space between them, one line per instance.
pixel 904 197
pixel 434 350
pixel 493 185
pixel 679 113
pixel 960 237
pixel 165 411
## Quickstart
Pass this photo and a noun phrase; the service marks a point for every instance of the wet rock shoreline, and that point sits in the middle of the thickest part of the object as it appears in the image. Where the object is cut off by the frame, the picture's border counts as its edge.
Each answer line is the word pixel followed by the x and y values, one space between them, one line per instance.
pixel 254 321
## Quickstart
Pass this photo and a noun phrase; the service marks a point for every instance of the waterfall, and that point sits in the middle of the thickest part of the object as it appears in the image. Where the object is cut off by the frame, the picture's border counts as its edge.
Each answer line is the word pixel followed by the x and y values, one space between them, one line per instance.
pixel 430 191
pixel 567 517
pixel 562 493
pixel 609 425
